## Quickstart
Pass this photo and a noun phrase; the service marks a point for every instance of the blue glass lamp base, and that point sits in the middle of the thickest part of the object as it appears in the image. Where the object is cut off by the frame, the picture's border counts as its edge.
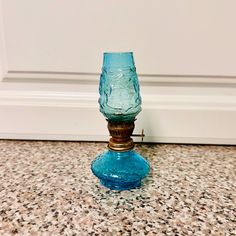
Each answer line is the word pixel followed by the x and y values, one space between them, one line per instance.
pixel 120 170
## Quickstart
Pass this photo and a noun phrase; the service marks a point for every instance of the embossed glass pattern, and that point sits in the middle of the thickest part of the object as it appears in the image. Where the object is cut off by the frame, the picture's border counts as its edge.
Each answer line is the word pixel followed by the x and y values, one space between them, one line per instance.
pixel 119 87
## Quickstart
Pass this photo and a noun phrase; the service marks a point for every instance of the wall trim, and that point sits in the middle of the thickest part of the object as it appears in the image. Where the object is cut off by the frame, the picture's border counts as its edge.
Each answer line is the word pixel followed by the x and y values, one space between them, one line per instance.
pixel 53 115
pixel 81 77
pixel 86 99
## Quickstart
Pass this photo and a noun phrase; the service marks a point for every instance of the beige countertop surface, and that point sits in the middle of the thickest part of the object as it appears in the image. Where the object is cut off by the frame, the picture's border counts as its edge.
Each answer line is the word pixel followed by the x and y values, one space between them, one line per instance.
pixel 47 188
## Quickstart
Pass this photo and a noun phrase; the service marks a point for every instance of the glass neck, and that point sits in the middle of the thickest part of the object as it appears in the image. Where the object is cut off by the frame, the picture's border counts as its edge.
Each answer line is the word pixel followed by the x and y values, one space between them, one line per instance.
pixel 118 60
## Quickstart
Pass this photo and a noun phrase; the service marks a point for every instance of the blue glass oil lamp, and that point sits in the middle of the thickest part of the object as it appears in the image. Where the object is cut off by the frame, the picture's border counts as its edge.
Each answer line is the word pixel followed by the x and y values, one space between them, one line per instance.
pixel 120 168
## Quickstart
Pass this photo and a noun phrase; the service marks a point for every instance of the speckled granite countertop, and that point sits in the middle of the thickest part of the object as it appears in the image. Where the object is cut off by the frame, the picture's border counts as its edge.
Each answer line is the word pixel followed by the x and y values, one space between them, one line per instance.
pixel 47 188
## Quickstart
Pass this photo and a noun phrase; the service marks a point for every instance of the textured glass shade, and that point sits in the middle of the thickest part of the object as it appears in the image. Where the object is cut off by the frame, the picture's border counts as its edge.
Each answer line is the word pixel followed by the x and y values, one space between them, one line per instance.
pixel 119 87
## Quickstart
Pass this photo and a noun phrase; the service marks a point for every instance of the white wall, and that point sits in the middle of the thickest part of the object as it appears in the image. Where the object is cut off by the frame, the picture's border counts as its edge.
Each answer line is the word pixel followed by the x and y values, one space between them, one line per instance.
pixel 51 55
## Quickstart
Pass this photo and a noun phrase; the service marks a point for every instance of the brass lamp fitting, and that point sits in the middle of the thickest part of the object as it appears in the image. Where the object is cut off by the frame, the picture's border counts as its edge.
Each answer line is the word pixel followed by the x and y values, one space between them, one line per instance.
pixel 121 133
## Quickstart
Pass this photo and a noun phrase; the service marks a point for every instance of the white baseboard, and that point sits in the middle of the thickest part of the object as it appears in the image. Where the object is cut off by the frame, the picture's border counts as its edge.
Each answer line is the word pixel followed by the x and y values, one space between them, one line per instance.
pixel 179 113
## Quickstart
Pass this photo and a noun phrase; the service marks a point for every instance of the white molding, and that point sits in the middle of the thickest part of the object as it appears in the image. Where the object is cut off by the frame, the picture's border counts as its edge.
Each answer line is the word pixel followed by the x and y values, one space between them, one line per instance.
pixel 71 115
pixel 48 98
pixel 63 106
pixel 36 77
pixel 85 99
